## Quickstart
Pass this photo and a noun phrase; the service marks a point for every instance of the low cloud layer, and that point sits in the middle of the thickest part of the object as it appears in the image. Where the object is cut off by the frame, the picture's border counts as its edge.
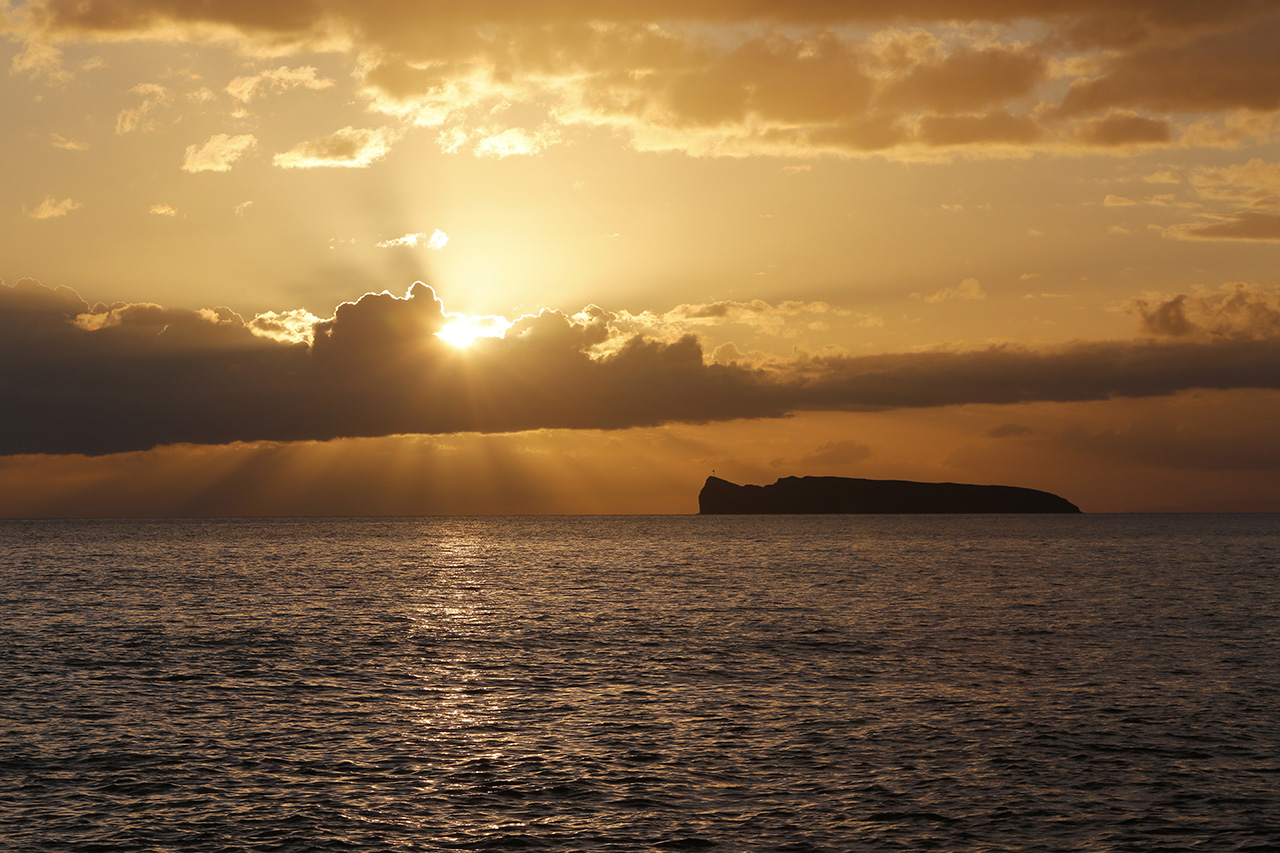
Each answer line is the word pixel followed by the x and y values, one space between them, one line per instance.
pixel 107 378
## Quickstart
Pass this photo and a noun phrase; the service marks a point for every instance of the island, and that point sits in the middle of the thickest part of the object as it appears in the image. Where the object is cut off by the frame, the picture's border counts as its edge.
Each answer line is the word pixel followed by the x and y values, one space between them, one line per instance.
pixel 811 495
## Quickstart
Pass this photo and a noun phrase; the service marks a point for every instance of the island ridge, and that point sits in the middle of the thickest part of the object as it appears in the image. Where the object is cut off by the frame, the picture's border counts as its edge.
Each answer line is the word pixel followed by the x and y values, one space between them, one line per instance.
pixel 810 495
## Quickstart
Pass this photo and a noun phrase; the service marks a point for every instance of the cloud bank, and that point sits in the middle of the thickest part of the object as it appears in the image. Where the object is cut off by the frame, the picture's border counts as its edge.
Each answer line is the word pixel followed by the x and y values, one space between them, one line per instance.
pixel 130 376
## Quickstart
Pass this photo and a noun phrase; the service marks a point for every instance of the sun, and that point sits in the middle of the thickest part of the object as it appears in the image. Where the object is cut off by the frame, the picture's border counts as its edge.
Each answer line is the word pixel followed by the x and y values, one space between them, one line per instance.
pixel 461 331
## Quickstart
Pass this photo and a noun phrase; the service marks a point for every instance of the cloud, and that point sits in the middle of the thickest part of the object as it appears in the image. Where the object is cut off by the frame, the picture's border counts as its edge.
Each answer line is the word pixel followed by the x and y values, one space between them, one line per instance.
pixel 988 129
pixel 164 210
pixel 437 240
pixel 51 208
pixel 514 141
pixel 1255 183
pixel 129 376
pixel 1246 226
pixel 967 80
pixel 969 289
pixel 37 59
pixel 1219 70
pixel 289 327
pixel 1234 311
pixel 757 312
pixel 1241 127
pixel 1123 128
pixel 349 147
pixel 915 79
pixel 142 117
pixel 244 89
pixel 1083 22
pixel 748 321
pixel 60 141
pixel 217 153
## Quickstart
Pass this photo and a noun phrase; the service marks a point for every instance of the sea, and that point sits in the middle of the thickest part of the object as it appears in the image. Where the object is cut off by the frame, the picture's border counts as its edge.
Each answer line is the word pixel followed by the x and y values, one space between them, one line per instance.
pixel 666 683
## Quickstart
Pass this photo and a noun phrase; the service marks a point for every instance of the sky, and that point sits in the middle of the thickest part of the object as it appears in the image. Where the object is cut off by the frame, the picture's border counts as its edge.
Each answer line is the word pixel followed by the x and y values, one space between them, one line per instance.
pixel 320 257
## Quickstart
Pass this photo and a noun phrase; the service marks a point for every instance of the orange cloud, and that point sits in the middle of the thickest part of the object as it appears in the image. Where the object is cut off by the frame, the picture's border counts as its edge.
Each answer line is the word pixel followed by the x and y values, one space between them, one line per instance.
pixel 51 208
pixel 729 79
pixel 246 88
pixel 349 147
pixel 969 289
pixel 142 117
pixel 218 152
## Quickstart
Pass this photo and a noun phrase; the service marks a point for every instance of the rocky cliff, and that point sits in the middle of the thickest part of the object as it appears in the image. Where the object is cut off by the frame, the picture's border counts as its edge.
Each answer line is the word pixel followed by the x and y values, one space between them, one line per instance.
pixel 792 495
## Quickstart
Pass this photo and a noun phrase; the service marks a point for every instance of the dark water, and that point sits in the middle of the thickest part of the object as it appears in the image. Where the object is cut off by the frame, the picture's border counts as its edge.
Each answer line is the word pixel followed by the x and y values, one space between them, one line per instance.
pixel 637 684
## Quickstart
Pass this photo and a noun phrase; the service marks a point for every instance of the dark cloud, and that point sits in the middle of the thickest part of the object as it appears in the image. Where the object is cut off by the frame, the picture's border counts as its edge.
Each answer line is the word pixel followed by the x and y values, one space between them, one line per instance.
pixel 1167 318
pixel 1123 128
pixel 1005 374
pixel 1091 21
pixel 997 127
pixel 1239 311
pixel 969 80
pixel 1229 70
pixel 130 376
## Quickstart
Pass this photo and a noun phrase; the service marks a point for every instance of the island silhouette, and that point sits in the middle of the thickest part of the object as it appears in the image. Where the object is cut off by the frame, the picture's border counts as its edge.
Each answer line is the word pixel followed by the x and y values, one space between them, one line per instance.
pixel 813 495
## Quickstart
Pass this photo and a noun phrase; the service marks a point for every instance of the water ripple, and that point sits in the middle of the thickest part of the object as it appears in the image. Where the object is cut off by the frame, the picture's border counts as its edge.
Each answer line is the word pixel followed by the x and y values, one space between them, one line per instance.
pixel 770 684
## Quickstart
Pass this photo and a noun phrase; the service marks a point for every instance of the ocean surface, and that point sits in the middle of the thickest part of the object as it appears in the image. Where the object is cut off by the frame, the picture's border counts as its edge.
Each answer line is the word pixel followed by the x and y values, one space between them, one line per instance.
pixel 838 683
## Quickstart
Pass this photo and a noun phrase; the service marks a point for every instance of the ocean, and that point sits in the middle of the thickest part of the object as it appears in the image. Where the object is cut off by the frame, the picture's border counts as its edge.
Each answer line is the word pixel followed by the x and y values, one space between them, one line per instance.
pixel 729 683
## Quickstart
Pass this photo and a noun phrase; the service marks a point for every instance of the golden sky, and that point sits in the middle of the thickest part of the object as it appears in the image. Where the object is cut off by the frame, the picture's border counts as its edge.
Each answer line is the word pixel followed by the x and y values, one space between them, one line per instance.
pixel 393 257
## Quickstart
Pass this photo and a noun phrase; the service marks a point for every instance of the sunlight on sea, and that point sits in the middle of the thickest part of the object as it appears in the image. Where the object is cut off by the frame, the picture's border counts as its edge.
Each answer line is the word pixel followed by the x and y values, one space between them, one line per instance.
pixel 646 683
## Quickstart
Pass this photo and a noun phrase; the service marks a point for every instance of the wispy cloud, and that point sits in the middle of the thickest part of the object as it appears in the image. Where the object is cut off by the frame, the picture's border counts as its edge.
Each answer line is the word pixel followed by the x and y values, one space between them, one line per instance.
pixel 142 117
pixel 244 89
pixel 969 289
pixel 57 140
pixel 51 208
pixel 217 153
pixel 436 240
pixel 38 59
pixel 352 148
